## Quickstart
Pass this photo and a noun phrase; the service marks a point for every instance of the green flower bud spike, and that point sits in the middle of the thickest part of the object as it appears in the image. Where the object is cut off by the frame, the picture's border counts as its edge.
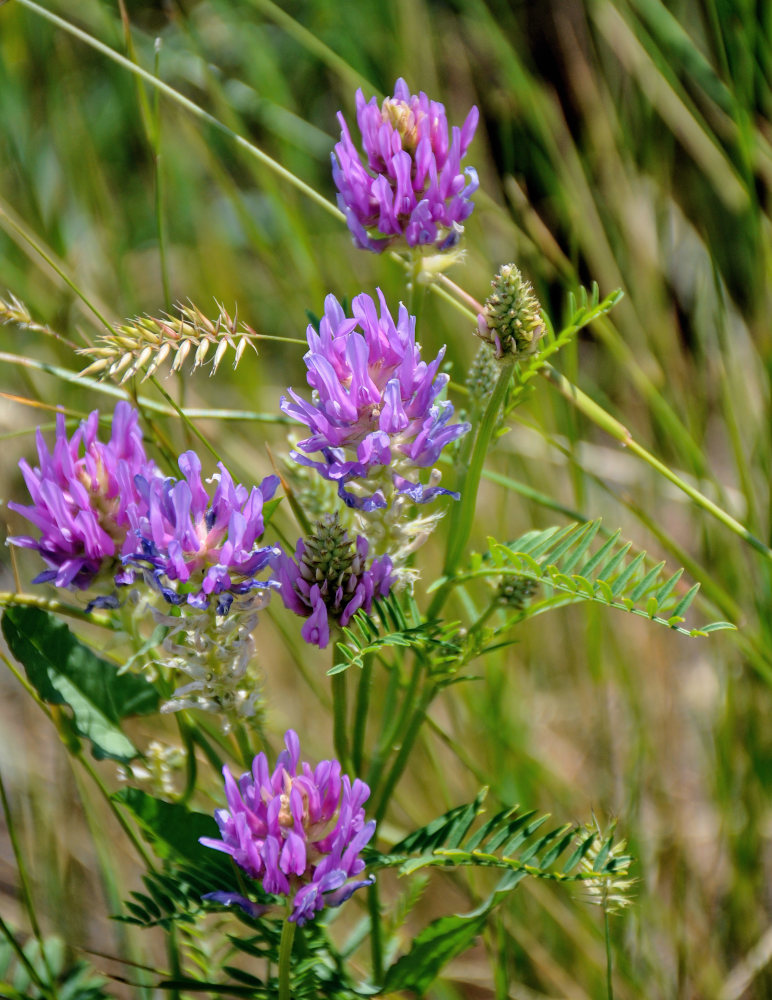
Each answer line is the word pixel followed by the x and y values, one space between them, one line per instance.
pixel 511 318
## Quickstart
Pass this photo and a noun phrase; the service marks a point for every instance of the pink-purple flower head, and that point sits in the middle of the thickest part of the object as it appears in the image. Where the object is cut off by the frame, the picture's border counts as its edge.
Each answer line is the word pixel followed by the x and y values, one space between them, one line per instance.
pixel 329 579
pixel 195 548
pixel 81 496
pixel 375 405
pixel 411 185
pixel 298 831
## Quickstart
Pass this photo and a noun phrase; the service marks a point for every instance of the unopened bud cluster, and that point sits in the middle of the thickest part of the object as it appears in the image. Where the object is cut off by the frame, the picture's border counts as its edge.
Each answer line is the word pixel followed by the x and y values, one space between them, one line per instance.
pixel 482 375
pixel 329 556
pixel 511 318
pixel 517 592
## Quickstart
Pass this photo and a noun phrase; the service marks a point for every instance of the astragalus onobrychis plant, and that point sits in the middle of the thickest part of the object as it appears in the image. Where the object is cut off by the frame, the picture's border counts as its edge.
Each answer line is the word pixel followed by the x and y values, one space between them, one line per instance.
pixel 177 564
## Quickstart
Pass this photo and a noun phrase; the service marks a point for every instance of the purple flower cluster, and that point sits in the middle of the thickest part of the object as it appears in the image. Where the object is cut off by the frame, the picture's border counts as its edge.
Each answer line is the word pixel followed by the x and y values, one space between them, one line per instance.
pixel 412 185
pixel 375 403
pixel 82 495
pixel 299 831
pixel 197 548
pixel 329 579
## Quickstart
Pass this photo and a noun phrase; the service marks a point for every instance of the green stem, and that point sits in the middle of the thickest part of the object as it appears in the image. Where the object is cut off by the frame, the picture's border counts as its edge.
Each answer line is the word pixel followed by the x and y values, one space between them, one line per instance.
pixel 186 103
pixel 376 940
pixel 400 763
pixel 199 413
pixel 133 839
pixel 609 983
pixel 245 749
pixel 462 517
pixel 56 607
pixel 390 731
pixel 185 418
pixel 339 712
pixel 606 422
pixel 285 959
pixel 62 274
pixel 360 713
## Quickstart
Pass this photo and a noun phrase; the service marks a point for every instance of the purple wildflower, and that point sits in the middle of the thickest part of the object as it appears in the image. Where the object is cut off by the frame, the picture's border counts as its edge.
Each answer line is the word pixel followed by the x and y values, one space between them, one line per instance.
pixel 329 579
pixel 375 414
pixel 196 548
pixel 81 497
pixel 298 831
pixel 412 184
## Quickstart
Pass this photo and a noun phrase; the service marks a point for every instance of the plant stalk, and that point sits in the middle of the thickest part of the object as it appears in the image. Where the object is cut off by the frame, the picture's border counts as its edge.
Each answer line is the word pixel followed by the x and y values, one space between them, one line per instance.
pixel 285 959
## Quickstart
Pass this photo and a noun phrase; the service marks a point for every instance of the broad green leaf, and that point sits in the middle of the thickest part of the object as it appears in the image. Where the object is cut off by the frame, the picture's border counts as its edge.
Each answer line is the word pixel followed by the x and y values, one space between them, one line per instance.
pixel 172 829
pixel 66 672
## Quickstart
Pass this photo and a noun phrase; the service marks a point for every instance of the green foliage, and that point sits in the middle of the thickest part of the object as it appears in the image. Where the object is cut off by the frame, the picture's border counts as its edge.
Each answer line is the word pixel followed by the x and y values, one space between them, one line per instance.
pixel 511 841
pixel 66 672
pixel 563 559
pixel 191 870
pixel 431 950
pixel 397 626
pixel 46 973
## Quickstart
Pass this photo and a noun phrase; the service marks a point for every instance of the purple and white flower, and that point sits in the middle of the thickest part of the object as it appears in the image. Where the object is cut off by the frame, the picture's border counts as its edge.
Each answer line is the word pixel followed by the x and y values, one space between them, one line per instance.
pixel 411 185
pixel 375 416
pixel 298 831
pixel 82 493
pixel 196 549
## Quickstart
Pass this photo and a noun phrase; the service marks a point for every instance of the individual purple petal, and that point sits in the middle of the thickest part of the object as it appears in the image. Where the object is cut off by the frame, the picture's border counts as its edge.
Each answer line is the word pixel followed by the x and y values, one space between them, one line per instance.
pixel 234 899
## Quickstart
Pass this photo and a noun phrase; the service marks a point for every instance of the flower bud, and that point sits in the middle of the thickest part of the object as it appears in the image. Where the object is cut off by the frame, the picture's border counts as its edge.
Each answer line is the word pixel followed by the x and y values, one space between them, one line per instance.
pixel 511 318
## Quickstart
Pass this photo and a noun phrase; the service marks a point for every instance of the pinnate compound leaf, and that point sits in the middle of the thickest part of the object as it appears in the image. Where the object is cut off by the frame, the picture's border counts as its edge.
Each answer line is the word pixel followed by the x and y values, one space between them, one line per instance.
pixel 64 671
pixel 563 561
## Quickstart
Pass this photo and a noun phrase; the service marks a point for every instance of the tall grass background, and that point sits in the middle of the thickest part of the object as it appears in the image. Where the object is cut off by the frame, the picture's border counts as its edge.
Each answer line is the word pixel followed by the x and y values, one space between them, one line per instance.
pixel 623 142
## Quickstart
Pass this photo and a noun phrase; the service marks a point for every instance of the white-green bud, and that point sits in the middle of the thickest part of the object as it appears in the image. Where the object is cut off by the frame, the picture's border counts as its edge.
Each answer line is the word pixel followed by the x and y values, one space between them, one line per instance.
pixel 511 318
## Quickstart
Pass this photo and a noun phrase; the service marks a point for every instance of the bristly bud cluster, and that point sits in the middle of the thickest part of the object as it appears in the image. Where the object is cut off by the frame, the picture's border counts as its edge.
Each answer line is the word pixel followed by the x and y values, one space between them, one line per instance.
pixel 482 376
pixel 297 831
pixel 145 343
pixel 511 318
pixel 411 186
pixel 329 579
pixel 516 592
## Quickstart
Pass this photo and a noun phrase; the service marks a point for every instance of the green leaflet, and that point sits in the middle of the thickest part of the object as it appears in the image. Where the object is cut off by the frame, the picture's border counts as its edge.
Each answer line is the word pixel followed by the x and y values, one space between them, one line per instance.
pixel 66 672
pixel 432 949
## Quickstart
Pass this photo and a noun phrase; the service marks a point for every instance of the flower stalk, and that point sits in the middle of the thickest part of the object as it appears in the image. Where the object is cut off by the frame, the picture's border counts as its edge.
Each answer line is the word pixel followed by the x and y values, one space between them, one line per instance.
pixel 285 958
pixel 469 482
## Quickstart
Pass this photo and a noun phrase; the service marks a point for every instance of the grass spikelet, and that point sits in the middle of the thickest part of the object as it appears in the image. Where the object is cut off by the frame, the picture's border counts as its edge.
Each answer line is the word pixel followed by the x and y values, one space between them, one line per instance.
pixel 611 889
pixel 145 343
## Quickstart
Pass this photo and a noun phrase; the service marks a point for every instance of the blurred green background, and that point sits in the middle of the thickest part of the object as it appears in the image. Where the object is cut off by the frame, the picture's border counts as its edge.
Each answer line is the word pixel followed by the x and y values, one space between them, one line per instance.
pixel 627 143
